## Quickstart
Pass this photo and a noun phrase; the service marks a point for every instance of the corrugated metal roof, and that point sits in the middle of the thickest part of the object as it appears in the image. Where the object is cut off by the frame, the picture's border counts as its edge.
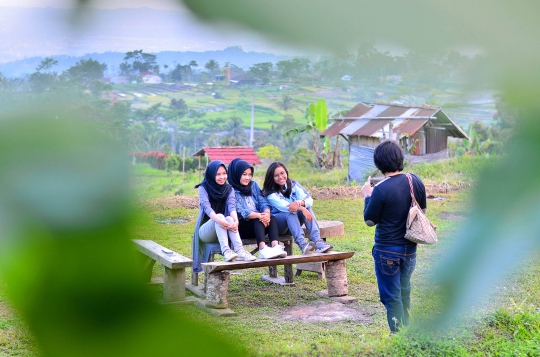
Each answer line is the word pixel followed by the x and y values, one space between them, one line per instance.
pixel 337 127
pixel 366 120
pixel 229 153
pixel 375 111
pixel 409 126
pixel 371 127
pixel 393 112
pixel 358 110
pixel 354 126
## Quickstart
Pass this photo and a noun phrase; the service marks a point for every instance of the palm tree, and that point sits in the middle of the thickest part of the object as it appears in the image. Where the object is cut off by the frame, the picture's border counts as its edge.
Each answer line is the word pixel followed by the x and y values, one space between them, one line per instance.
pixel 236 130
pixel 211 65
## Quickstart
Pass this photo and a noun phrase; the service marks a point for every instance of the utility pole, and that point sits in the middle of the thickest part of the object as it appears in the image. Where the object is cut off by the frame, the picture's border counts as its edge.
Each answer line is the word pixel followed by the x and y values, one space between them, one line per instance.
pixel 252 120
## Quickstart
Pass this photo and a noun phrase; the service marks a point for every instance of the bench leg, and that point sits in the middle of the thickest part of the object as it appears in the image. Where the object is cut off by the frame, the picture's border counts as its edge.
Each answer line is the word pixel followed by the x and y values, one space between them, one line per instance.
pixel 288 269
pixel 217 288
pixel 174 284
pixel 194 278
pixel 336 278
pixel 148 265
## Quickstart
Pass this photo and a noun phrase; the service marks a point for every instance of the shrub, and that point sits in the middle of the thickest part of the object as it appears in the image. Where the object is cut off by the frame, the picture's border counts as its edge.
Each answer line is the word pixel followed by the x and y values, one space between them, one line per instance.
pixel 156 159
pixel 173 163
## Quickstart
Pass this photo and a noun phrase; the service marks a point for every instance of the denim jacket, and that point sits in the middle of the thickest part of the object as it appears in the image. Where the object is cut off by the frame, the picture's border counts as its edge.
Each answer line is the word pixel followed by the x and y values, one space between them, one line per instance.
pixel 281 203
pixel 242 206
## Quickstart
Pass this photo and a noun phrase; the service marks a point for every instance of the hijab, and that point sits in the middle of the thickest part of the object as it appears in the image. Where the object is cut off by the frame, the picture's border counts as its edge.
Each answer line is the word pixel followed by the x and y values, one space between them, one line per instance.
pixel 216 192
pixel 236 169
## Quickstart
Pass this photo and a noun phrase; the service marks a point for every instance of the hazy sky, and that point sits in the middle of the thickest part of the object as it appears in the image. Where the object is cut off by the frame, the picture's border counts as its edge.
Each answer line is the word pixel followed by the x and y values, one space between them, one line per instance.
pixel 100 4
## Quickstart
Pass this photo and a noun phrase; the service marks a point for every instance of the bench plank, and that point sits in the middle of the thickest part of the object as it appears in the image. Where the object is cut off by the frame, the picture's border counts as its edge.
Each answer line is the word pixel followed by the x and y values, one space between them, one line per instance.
pixel 293 259
pixel 155 251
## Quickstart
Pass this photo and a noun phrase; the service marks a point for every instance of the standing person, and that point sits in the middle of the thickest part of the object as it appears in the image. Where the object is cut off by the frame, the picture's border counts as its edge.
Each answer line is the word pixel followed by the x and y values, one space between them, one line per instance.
pixel 254 210
pixel 220 222
pixel 291 205
pixel 387 206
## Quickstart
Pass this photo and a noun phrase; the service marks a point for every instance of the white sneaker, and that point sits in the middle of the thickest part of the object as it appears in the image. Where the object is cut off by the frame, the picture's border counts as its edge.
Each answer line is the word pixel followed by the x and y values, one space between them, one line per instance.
pixel 245 255
pixel 279 249
pixel 229 255
pixel 268 253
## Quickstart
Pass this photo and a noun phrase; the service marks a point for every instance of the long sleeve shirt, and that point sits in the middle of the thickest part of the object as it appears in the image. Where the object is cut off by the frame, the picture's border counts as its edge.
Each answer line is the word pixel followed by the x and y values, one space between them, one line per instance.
pixel 204 202
pixel 280 203
pixel 388 208
pixel 254 203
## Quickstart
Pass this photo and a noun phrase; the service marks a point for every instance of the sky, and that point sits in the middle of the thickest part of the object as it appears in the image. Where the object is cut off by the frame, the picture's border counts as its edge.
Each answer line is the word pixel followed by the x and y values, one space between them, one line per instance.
pixel 99 4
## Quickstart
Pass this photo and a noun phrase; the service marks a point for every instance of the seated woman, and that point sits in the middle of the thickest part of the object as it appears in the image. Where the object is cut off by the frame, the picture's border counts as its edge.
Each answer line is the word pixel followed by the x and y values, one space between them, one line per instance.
pixel 254 210
pixel 291 205
pixel 220 222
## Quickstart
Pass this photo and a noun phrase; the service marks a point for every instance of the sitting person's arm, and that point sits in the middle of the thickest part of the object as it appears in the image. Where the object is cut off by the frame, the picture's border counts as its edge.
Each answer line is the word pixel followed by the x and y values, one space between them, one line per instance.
pixel 204 203
pixel 278 203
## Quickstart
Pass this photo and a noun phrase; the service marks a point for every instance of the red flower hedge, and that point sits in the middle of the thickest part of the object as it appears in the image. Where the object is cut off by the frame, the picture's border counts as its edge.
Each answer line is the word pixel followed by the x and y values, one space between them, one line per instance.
pixel 156 159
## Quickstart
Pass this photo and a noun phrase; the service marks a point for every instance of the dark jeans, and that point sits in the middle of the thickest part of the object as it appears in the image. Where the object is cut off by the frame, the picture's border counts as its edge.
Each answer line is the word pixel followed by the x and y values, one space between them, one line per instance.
pixel 394 266
pixel 254 228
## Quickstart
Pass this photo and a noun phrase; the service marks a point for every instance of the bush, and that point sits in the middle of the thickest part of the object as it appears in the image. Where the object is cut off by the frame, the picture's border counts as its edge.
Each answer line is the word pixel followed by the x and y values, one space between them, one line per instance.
pixel 156 159
pixel 173 163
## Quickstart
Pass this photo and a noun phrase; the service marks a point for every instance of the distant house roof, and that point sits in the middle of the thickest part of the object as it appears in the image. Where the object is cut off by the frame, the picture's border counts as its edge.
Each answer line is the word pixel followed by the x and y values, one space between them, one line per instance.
pixel 229 153
pixel 368 120
pixel 243 77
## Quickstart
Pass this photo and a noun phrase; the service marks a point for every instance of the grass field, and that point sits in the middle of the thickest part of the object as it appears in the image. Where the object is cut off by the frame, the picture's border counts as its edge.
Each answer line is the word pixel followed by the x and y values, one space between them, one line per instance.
pixel 506 323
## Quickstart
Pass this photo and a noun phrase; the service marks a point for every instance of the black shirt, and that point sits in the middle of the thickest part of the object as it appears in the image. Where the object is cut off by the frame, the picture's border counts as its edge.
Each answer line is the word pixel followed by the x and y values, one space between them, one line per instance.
pixel 389 206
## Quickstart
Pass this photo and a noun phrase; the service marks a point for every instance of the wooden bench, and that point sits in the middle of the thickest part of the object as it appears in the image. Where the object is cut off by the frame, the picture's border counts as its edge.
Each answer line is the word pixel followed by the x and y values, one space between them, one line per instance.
pixel 328 229
pixel 174 269
pixel 218 275
pixel 272 276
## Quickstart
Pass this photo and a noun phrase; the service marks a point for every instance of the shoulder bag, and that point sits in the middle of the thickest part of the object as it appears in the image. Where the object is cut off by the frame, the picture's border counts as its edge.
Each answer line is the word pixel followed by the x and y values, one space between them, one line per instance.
pixel 419 228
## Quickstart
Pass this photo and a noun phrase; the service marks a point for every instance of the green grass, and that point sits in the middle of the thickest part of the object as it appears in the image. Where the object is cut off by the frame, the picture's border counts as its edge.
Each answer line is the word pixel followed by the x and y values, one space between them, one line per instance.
pixel 507 324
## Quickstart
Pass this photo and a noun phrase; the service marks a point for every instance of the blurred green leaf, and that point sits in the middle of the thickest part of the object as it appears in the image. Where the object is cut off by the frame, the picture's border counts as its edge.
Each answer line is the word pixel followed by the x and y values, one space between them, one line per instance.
pixel 65 253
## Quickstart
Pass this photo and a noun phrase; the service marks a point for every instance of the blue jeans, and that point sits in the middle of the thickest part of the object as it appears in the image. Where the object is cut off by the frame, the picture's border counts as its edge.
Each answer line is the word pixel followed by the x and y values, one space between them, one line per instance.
pixel 394 266
pixel 292 222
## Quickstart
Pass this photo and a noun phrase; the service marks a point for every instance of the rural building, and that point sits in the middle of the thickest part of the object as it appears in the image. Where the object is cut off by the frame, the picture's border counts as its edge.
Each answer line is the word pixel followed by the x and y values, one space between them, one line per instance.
pixel 244 80
pixel 152 78
pixel 227 154
pixel 423 132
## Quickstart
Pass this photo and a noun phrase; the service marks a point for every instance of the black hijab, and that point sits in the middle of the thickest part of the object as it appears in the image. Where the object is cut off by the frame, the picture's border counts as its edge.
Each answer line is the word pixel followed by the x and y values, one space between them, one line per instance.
pixel 217 193
pixel 236 169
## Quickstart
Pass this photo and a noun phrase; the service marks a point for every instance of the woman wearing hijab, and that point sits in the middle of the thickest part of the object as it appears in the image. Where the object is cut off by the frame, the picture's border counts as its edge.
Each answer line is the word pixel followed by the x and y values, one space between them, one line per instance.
pixel 220 222
pixel 291 205
pixel 254 210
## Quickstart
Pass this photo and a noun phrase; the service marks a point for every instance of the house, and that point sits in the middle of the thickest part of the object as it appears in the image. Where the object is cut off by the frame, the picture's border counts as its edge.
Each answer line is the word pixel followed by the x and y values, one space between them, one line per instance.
pixel 152 78
pixel 244 80
pixel 422 131
pixel 227 154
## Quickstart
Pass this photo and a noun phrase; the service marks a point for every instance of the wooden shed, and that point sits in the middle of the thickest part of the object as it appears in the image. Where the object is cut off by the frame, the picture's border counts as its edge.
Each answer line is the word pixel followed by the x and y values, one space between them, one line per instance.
pixel 423 132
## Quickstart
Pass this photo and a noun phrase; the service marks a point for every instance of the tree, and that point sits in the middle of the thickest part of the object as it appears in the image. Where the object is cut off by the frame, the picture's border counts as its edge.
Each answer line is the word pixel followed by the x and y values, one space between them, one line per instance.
pixel 191 64
pixel 269 152
pixel 286 102
pixel 211 66
pixel 262 70
pixel 87 70
pixel 317 118
pixel 46 64
pixel 235 129
pixel 292 68
pixel 138 61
